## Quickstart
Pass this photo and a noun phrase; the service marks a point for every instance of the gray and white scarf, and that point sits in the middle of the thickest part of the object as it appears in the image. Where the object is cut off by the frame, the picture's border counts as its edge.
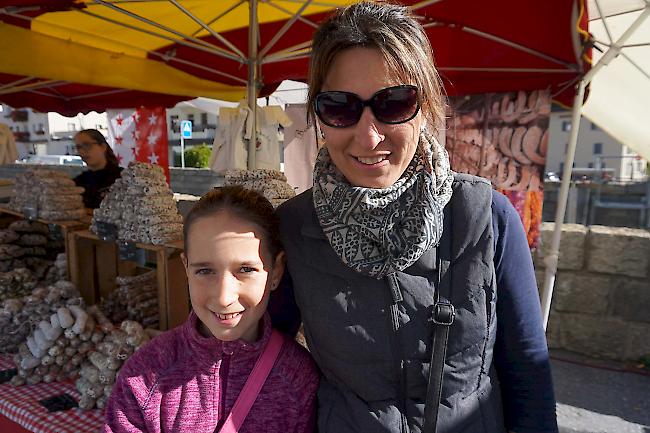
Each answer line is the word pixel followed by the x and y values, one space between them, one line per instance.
pixel 380 231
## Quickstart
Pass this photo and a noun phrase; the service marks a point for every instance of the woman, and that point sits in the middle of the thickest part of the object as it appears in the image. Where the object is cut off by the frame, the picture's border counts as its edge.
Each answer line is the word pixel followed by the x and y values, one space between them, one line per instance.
pixel 385 224
pixel 103 166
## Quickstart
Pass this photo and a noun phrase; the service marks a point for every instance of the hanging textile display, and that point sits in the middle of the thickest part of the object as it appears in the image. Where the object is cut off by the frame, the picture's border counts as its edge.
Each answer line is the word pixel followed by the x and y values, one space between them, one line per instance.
pixel 504 138
pixel 8 151
pixel 230 148
pixel 140 135
pixel 300 149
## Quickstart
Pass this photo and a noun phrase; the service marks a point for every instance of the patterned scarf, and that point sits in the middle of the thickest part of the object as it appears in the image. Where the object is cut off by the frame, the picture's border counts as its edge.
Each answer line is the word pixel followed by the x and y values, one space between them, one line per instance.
pixel 380 231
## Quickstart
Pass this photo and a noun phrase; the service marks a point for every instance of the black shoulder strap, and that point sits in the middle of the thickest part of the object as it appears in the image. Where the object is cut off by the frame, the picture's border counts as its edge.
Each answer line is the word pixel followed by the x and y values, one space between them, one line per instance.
pixel 443 317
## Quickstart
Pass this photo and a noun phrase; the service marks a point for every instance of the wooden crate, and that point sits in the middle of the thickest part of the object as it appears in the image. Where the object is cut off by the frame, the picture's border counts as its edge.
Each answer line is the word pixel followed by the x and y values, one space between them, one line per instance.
pixel 95 265
pixel 65 227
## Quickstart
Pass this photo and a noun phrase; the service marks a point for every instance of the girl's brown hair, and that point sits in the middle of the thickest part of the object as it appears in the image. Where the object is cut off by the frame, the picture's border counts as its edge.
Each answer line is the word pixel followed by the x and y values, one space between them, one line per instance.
pixel 393 30
pixel 244 203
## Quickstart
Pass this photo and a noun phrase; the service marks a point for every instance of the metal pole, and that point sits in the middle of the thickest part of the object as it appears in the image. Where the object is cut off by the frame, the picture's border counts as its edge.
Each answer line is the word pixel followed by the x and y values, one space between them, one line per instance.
pixel 252 80
pixel 182 151
pixel 551 259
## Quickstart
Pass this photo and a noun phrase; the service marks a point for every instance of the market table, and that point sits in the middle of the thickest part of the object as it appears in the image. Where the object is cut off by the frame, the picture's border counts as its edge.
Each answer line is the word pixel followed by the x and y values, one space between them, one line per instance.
pixel 64 228
pixel 21 412
pixel 94 265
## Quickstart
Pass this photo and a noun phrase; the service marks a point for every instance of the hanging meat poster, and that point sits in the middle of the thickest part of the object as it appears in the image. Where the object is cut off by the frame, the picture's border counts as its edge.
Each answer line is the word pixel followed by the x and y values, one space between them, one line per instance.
pixel 503 138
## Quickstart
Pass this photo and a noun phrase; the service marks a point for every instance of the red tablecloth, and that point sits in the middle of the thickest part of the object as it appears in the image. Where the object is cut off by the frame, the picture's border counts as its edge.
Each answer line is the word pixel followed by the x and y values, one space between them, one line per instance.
pixel 20 405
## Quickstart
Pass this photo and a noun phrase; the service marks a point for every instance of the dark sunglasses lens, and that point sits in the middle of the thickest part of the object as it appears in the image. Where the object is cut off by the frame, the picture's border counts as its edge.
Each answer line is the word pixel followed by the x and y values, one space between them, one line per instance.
pixel 338 109
pixel 395 105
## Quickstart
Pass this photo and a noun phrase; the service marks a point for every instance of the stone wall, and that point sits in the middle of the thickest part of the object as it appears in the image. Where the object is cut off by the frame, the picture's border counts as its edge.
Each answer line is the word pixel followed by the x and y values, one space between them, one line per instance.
pixel 601 300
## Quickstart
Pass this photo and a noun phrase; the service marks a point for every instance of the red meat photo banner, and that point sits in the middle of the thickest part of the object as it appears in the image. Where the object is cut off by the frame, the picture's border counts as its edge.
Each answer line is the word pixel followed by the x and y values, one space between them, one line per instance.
pixel 139 135
pixel 503 137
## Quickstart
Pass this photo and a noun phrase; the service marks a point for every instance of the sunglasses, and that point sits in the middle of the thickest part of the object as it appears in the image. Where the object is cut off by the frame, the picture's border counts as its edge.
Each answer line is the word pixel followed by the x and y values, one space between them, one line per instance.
pixel 392 105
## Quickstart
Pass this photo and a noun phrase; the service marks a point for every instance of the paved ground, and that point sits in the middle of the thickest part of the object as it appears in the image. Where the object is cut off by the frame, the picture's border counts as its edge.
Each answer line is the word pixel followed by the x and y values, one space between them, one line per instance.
pixel 595 399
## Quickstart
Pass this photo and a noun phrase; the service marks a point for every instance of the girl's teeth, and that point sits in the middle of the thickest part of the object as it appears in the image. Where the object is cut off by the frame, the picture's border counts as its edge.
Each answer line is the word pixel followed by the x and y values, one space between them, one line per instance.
pixel 227 316
pixel 370 161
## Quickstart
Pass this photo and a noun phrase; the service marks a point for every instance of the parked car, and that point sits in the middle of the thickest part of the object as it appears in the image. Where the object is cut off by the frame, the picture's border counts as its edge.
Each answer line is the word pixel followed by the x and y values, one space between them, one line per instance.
pixel 551 176
pixel 54 160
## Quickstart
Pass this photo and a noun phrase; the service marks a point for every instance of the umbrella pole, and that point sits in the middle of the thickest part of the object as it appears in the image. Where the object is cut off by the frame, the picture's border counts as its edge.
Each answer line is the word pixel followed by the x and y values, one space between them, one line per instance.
pixel 551 260
pixel 252 80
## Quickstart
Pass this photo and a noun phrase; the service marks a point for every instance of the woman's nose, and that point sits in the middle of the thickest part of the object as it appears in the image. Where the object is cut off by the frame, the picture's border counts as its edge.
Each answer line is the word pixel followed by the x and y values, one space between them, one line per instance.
pixel 367 130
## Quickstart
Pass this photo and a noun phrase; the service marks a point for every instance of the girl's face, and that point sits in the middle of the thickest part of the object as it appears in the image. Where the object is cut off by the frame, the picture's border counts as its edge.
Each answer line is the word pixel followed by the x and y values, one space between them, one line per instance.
pixel 90 151
pixel 230 275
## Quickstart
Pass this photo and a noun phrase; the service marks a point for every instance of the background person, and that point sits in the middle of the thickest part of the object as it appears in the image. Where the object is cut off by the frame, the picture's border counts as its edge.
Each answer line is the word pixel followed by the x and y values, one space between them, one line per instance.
pixel 103 166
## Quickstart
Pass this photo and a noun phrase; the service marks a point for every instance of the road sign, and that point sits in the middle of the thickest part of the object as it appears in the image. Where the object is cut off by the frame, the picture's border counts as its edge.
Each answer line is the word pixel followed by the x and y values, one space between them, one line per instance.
pixel 186 128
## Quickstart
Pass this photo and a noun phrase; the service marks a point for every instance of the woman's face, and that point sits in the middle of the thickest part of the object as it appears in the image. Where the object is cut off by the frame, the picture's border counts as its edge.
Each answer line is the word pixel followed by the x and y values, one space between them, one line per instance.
pixel 370 154
pixel 230 275
pixel 92 152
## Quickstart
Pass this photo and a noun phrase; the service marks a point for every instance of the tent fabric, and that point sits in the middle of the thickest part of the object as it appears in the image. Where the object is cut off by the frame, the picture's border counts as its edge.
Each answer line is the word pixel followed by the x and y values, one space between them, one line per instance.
pixel 479 46
pixel 620 91
pixel 69 99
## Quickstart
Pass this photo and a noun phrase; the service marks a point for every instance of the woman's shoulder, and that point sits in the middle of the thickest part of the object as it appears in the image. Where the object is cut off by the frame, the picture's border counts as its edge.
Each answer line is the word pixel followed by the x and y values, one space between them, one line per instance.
pixel 296 205
pixel 296 364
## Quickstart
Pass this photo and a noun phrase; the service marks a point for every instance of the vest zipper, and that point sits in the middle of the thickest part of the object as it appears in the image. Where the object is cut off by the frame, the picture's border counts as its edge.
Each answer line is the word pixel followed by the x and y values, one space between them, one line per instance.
pixel 223 384
pixel 396 298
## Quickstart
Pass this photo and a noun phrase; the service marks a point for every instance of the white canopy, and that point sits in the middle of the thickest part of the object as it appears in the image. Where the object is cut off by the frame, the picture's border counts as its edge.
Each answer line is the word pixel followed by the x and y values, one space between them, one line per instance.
pixel 619 98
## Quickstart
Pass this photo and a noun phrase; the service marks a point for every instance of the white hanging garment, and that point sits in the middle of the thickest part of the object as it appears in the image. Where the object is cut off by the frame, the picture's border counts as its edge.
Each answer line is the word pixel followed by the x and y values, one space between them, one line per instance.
pixel 300 149
pixel 269 118
pixel 229 149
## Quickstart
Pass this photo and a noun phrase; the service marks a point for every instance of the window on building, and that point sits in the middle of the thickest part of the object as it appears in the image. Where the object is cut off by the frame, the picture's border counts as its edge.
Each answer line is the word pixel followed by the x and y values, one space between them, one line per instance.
pixel 594 127
pixel 190 117
pixel 173 120
pixel 204 119
pixel 590 165
pixel 566 147
pixel 72 126
pixel 561 167
pixel 566 125
pixel 598 148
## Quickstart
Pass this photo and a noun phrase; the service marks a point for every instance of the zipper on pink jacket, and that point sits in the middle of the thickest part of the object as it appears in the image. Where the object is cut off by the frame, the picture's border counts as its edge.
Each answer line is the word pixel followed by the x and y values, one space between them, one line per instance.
pixel 223 382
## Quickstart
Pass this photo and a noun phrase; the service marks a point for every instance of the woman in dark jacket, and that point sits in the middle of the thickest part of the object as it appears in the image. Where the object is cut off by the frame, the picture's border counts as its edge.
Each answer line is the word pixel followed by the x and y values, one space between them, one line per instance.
pixel 389 236
pixel 103 166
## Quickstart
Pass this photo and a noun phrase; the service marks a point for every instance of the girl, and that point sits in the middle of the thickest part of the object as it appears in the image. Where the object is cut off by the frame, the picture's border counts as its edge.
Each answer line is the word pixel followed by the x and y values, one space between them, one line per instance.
pixel 188 379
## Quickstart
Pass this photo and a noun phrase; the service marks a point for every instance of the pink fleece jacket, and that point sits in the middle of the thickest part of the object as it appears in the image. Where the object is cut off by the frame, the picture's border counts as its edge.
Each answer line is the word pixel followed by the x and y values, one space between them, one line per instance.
pixel 184 382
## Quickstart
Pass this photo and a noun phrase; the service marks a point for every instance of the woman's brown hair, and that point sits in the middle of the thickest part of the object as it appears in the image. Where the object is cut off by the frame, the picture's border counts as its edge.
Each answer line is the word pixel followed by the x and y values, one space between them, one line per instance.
pixel 393 30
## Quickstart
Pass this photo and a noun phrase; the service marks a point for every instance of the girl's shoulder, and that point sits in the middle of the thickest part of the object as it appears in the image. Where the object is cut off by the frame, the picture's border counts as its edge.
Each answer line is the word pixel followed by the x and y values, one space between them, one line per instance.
pixel 155 356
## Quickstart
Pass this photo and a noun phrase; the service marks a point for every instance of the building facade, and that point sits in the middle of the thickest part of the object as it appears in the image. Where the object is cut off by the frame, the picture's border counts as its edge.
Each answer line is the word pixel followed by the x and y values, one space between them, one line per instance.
pixel 595 149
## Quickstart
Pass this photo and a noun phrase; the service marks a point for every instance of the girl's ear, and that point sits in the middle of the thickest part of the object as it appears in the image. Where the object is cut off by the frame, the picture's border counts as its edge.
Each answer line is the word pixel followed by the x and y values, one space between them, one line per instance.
pixel 278 270
pixel 184 259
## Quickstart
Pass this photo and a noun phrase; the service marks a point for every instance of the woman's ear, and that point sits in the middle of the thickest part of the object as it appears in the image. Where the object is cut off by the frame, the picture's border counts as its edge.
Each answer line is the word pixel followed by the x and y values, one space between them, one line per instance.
pixel 278 270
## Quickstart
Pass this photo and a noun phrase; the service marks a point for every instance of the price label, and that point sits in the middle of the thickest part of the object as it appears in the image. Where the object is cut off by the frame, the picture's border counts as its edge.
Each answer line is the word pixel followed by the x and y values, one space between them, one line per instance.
pixel 31 212
pixel 58 403
pixel 56 234
pixel 106 231
pixel 127 251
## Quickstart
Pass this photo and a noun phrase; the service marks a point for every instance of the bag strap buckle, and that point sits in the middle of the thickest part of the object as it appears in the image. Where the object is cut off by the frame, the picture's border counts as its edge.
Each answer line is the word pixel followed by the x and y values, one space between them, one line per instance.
pixel 444 313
